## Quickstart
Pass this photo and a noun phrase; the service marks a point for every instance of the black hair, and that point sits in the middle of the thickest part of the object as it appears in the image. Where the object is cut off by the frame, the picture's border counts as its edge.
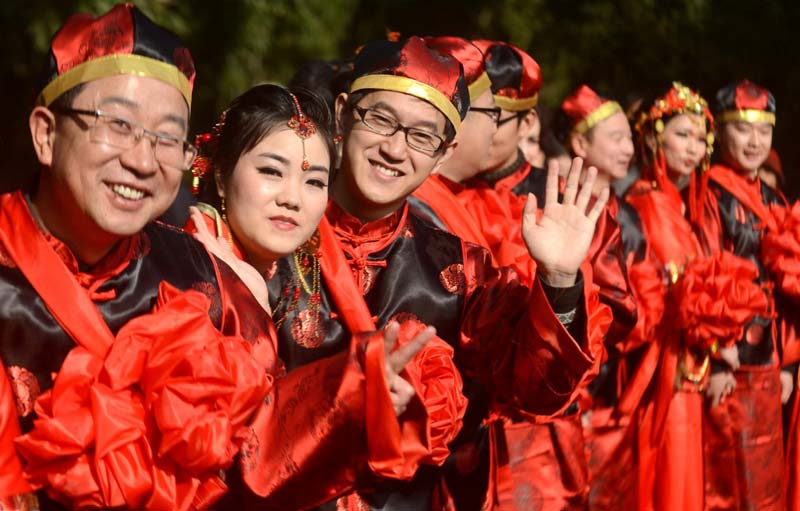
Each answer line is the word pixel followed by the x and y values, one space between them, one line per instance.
pixel 504 67
pixel 252 116
pixel 355 97
pixel 327 78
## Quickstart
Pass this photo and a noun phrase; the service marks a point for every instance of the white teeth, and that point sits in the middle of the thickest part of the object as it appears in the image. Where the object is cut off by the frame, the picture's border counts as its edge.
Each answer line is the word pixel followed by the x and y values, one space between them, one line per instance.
pixel 387 172
pixel 127 192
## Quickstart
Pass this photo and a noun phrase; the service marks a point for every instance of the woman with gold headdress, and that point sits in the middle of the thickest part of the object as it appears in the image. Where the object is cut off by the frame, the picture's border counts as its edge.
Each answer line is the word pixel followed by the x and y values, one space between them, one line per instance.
pixel 706 292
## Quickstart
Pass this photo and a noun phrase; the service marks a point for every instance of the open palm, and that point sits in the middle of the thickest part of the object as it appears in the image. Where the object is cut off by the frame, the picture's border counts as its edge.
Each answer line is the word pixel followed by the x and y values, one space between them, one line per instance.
pixel 559 240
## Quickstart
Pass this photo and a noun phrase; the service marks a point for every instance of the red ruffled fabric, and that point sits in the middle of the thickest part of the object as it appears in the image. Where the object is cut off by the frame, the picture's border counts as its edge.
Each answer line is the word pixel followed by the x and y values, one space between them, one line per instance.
pixel 650 290
pixel 152 425
pixel 780 249
pixel 718 296
pixel 439 388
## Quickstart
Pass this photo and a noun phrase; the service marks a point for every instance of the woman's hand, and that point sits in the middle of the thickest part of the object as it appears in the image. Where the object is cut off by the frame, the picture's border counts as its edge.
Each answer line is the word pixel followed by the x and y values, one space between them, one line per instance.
pixel 221 248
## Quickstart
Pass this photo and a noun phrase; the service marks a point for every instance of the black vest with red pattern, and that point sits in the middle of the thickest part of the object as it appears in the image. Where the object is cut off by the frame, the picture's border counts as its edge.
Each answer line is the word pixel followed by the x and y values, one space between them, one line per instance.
pixel 742 236
pixel 32 343
pixel 418 275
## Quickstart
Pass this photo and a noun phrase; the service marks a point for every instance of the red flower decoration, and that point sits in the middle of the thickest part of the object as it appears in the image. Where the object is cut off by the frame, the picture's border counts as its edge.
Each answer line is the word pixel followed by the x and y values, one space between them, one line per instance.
pixel 780 250
pixel 168 403
pixel 716 297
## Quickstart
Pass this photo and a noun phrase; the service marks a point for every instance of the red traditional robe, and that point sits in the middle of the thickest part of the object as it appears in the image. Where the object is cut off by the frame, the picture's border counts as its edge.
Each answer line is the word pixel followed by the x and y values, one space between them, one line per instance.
pixel 532 464
pixel 497 201
pixel 424 432
pixel 669 443
pixel 160 357
pixel 743 435
pixel 503 333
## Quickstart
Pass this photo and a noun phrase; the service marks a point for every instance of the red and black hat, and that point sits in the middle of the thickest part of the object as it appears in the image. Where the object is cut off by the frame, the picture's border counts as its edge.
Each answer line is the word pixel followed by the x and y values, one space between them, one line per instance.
pixel 585 109
pixel 515 76
pixel 471 59
pixel 412 67
pixel 745 101
pixel 122 41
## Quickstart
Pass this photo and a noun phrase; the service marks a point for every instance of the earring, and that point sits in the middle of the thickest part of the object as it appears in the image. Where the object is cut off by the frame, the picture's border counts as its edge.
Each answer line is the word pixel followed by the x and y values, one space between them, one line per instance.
pixel 222 209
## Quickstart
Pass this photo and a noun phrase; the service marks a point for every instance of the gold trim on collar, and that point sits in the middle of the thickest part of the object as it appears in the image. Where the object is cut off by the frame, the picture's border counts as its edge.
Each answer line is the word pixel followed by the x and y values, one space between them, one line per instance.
pixel 479 86
pixel 516 104
pixel 118 64
pixel 410 86
pixel 747 116
pixel 597 115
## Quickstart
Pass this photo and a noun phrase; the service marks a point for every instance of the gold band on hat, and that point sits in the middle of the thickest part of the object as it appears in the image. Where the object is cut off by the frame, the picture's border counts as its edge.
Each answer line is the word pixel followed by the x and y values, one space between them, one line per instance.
pixel 516 104
pixel 479 86
pixel 413 87
pixel 117 64
pixel 600 113
pixel 747 116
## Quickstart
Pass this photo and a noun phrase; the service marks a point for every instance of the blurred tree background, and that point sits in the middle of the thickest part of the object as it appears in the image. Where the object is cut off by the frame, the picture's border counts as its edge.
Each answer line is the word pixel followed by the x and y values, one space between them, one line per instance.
pixel 623 47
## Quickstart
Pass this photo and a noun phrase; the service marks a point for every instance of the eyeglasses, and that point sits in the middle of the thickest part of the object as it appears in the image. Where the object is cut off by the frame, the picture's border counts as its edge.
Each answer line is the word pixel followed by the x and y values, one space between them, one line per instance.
pixel 416 138
pixel 169 150
pixel 493 113
pixel 500 122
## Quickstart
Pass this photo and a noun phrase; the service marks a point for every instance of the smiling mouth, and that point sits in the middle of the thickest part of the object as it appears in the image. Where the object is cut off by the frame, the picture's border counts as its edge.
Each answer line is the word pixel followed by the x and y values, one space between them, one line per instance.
pixel 386 171
pixel 127 192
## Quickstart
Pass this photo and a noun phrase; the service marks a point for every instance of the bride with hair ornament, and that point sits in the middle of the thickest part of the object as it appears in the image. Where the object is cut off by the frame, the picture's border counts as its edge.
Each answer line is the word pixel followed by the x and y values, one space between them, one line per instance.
pixel 710 296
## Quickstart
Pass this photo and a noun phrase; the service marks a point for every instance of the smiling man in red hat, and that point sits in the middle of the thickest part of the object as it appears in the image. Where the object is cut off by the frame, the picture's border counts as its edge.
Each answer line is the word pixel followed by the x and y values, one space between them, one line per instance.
pixel 747 218
pixel 379 261
pixel 132 359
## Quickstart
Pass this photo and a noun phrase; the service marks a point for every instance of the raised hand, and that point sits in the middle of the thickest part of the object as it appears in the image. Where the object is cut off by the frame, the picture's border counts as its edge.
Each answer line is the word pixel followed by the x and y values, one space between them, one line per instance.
pixel 220 247
pixel 400 390
pixel 559 241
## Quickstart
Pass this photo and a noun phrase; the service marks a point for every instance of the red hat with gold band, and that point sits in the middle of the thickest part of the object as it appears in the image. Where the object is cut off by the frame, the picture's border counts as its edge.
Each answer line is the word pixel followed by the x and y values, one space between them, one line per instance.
pixel 585 109
pixel 412 67
pixel 122 41
pixel 745 101
pixel 471 59
pixel 516 78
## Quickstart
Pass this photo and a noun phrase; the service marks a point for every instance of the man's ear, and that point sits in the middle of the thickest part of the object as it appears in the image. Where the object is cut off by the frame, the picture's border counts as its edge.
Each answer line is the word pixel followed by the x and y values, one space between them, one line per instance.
pixel 579 144
pixel 42 124
pixel 445 155
pixel 341 110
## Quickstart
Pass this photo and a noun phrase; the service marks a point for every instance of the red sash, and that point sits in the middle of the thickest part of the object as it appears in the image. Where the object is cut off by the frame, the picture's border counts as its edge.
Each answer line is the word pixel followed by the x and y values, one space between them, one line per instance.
pixel 62 295
pixel 746 193
pixel 383 436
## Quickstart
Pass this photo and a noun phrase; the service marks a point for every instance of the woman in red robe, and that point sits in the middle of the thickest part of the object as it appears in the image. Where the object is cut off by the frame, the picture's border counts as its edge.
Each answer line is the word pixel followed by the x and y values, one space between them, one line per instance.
pixel 708 292
pixel 270 160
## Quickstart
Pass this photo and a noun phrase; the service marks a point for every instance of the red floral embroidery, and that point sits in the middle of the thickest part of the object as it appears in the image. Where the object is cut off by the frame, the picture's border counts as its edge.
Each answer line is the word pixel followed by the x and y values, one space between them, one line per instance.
pixel 402 317
pixel 249 451
pixel 352 502
pixel 307 329
pixel 211 291
pixel 273 268
pixel 453 279
pixel 365 277
pixel 25 387
pixel 408 231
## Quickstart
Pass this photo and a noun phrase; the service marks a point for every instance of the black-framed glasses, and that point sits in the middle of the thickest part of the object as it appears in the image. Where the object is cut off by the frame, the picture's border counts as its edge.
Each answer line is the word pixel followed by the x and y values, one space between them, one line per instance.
pixel 518 115
pixel 416 138
pixel 169 150
pixel 493 113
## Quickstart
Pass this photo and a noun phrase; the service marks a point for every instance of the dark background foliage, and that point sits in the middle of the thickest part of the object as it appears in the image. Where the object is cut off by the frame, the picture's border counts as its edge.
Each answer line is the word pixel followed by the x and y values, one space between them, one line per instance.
pixel 623 47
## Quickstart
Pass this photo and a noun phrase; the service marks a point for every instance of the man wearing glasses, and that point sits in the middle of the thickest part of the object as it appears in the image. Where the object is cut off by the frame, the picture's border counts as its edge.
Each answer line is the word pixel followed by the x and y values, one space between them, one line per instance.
pixel 130 358
pixel 526 345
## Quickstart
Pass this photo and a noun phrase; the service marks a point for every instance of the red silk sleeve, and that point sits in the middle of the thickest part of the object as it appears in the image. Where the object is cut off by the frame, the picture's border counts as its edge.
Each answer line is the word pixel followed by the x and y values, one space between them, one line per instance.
pixel 12 481
pixel 650 290
pixel 606 255
pixel 513 341
pixel 438 386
